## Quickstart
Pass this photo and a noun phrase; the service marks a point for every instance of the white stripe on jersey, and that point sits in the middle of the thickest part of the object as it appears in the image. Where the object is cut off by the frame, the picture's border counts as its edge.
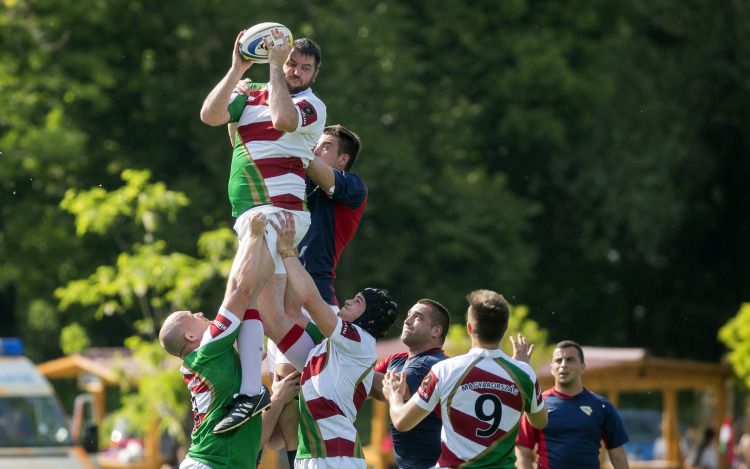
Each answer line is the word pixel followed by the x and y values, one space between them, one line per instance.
pixel 280 185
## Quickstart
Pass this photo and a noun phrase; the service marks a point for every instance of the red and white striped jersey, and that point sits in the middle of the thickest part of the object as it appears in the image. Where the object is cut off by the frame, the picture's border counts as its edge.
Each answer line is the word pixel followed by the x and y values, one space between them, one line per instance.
pixel 268 165
pixel 482 397
pixel 335 382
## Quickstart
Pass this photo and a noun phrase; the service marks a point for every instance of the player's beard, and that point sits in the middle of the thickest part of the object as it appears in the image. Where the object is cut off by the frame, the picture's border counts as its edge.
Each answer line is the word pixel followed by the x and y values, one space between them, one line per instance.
pixel 298 89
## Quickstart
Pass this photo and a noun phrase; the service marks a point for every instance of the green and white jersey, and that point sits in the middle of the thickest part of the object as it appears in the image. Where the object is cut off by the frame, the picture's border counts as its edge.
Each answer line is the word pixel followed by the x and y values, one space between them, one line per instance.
pixel 482 397
pixel 335 383
pixel 212 373
pixel 268 165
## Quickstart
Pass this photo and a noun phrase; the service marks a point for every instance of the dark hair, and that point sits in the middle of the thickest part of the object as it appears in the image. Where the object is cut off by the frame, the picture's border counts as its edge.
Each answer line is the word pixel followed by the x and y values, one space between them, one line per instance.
pixel 380 312
pixel 309 48
pixel 349 143
pixel 570 343
pixel 440 316
pixel 488 315
pixel 708 435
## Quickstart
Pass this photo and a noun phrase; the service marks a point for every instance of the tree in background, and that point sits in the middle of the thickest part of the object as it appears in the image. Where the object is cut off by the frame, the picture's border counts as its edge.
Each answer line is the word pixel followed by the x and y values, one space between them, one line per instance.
pixel 147 276
pixel 587 158
pixel 736 336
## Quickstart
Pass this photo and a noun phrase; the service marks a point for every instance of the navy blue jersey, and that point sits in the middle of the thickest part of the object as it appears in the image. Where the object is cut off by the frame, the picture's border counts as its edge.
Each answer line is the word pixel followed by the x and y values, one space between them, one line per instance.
pixel 576 426
pixel 334 220
pixel 419 448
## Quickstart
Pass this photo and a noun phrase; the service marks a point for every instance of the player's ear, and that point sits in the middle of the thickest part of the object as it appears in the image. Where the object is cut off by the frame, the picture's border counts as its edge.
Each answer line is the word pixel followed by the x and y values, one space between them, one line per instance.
pixel 436 331
pixel 583 367
pixel 468 328
pixel 315 75
pixel 344 159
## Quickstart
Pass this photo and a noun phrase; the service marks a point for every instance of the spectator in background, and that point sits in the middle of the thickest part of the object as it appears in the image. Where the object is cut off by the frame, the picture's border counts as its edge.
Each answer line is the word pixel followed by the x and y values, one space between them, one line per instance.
pixel 704 456
pixel 742 450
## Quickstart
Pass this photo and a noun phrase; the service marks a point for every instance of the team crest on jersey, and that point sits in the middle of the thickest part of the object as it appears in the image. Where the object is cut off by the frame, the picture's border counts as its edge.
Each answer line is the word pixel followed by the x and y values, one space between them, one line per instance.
pixel 428 386
pixel 586 409
pixel 350 332
pixel 308 113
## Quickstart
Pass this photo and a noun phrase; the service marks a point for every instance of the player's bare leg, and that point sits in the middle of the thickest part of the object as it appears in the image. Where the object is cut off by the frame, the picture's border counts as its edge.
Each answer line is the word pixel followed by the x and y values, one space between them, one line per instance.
pixel 253 397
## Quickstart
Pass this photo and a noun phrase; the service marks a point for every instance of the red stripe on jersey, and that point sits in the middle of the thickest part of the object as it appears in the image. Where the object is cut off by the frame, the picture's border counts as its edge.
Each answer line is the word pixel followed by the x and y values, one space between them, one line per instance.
pixel 257 98
pixel 360 394
pixel 252 314
pixel 382 366
pixel 196 386
pixel 259 131
pixel 347 221
pixel 447 458
pixel 322 408
pixel 541 451
pixel 290 338
pixel 467 426
pixel 350 332
pixel 272 167
pixel 219 326
pixel 288 202
pixel 314 367
pixel 188 379
pixel 309 115
pixel 478 375
pixel 339 447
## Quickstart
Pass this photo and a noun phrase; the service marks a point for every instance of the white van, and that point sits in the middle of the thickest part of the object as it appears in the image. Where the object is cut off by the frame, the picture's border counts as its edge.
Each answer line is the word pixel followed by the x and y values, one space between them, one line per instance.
pixel 33 431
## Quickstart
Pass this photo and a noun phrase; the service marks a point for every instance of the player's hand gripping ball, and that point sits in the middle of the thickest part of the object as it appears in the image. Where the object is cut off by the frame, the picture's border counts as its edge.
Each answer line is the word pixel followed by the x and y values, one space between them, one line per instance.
pixel 252 47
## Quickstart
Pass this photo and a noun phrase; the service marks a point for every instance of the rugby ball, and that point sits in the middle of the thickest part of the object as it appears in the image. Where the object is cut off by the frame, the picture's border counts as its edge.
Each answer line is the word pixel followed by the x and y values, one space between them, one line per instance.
pixel 252 46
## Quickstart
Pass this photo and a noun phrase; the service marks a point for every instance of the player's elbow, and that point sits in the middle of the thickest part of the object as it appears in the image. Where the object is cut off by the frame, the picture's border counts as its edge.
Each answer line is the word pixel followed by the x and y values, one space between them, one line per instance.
pixel 402 425
pixel 285 123
pixel 210 118
pixel 538 420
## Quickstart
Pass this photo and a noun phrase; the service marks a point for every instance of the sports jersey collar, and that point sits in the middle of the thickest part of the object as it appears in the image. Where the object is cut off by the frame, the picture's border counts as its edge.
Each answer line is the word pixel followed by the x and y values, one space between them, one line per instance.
pixel 427 352
pixel 309 90
pixel 494 353
pixel 565 396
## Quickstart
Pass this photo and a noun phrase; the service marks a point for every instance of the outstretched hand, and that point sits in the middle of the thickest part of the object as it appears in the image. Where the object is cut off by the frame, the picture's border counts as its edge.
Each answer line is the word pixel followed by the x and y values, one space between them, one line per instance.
pixel 522 350
pixel 285 230
pixel 278 47
pixel 394 384
pixel 239 62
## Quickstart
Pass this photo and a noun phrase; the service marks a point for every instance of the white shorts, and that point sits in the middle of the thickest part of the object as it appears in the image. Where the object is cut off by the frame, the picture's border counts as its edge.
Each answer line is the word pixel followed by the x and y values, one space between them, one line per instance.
pixel 301 224
pixel 190 463
pixel 338 462
pixel 272 352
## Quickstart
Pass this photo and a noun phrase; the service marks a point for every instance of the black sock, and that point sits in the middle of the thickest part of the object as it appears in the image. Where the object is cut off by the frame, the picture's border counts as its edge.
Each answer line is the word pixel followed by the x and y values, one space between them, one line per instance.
pixel 291 456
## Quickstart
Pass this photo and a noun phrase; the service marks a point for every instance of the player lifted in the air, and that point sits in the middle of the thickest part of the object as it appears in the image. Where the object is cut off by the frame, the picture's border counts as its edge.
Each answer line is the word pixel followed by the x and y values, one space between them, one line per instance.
pixel 279 124
pixel 336 356
pixel 482 394
pixel 210 366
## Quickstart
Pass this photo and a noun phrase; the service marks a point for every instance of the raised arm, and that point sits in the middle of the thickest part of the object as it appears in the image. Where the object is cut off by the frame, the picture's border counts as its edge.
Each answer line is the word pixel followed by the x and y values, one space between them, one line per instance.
pixel 300 280
pixel 321 174
pixel 284 114
pixel 283 392
pixel 214 111
pixel 243 277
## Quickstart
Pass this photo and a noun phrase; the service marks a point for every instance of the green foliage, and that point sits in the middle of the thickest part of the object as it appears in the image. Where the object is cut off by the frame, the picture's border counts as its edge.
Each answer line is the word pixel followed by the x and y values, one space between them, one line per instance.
pixel 161 394
pixel 584 157
pixel 148 276
pixel 73 339
pixel 458 340
pixel 735 334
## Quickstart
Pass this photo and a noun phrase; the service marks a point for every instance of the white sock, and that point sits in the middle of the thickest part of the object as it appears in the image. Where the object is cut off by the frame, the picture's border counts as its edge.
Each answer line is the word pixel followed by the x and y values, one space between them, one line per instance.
pixel 250 345
pixel 296 346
